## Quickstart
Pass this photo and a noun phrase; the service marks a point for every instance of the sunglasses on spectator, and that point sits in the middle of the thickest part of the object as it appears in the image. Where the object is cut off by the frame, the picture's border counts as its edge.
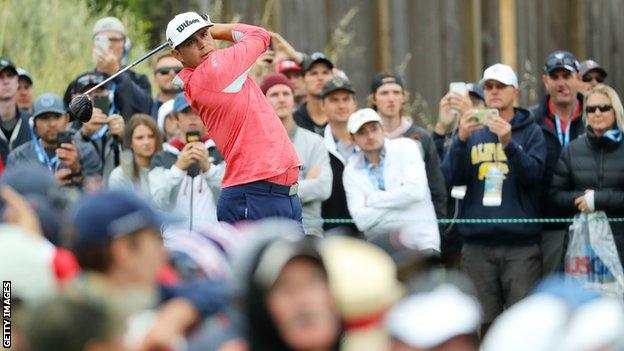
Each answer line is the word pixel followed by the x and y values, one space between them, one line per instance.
pixel 588 78
pixel 562 62
pixel 602 108
pixel 166 70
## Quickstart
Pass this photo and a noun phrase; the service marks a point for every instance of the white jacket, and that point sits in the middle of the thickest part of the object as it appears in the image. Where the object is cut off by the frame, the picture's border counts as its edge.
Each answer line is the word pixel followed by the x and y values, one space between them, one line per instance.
pixel 193 198
pixel 405 204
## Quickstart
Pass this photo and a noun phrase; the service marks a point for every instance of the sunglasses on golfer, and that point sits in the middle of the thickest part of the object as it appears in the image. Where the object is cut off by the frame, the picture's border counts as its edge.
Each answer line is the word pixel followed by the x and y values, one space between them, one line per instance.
pixel 598 78
pixel 602 108
pixel 166 70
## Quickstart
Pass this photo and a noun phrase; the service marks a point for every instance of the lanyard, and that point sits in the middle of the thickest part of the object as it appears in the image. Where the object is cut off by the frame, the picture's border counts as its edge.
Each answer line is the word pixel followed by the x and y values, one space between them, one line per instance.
pixel 564 138
pixel 42 155
pixel 377 178
pixel 100 133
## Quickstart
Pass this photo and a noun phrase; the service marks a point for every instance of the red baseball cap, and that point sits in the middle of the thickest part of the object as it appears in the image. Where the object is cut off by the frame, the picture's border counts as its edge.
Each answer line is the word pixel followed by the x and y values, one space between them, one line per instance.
pixel 287 65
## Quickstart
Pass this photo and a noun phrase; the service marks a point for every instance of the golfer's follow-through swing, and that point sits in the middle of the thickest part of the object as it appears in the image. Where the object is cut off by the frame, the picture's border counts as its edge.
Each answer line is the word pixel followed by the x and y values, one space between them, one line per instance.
pixel 262 168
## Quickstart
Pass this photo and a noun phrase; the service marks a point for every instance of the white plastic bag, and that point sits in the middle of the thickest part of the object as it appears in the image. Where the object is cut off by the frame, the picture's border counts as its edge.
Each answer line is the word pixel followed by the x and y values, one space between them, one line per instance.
pixel 592 258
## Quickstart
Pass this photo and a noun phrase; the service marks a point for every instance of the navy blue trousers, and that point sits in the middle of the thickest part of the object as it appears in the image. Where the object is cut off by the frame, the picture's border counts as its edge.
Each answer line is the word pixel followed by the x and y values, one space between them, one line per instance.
pixel 257 200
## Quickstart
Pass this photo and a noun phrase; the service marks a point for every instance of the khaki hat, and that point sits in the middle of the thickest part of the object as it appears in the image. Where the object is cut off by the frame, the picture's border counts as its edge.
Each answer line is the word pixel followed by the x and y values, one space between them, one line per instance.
pixel 109 24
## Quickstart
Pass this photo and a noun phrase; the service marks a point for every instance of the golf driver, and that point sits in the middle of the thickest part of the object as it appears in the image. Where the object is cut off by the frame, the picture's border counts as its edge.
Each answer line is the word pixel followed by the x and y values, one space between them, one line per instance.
pixel 81 107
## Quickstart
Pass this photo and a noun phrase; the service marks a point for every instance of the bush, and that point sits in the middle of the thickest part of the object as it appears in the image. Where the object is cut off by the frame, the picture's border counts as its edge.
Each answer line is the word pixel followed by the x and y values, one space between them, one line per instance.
pixel 52 39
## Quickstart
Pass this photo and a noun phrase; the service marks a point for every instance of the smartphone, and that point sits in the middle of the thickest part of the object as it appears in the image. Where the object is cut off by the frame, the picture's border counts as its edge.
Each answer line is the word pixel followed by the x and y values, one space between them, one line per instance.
pixel 102 102
pixel 64 138
pixel 482 116
pixel 101 41
pixel 193 136
pixel 458 87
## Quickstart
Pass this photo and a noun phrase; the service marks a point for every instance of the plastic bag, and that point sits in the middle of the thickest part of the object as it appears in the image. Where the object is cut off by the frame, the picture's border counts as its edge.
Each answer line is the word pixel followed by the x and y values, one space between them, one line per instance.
pixel 592 258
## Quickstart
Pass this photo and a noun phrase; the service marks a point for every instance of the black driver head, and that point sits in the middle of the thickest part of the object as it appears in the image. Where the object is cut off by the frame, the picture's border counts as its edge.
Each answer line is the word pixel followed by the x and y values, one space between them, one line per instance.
pixel 81 108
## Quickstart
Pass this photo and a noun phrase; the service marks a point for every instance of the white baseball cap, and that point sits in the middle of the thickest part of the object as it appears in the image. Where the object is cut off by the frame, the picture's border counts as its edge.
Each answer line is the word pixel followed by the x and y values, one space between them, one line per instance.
pixel 428 319
pixel 360 118
pixel 109 24
pixel 500 73
pixel 184 25
pixel 163 111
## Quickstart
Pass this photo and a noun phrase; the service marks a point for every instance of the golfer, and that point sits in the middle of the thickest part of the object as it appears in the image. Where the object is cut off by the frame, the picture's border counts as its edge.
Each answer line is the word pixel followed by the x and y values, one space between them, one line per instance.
pixel 262 167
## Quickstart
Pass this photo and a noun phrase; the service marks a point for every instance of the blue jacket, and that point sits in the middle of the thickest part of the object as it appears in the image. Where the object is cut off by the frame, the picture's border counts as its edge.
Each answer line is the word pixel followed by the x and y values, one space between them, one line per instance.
pixel 522 161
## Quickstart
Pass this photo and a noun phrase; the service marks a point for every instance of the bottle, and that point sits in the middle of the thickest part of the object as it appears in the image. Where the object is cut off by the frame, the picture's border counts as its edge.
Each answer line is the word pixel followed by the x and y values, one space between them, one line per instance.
pixel 493 187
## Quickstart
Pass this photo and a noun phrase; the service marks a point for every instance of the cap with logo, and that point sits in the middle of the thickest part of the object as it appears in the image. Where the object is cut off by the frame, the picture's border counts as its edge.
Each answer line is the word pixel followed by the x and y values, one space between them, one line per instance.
pixel 336 84
pixel 590 65
pixel 109 24
pixel 111 214
pixel 287 66
pixel 561 60
pixel 275 79
pixel 184 25
pixel 48 103
pixel 500 73
pixel 311 60
pixel 360 118
pixel 5 63
pixel 180 103
pixel 385 78
pixel 22 73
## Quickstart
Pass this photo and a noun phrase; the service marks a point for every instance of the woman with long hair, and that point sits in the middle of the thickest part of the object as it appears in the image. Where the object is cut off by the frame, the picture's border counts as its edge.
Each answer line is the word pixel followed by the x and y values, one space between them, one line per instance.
pixel 142 141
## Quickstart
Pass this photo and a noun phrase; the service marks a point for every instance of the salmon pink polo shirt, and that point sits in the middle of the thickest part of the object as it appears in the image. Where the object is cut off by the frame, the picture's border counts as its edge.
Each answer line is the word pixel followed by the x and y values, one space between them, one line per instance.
pixel 237 116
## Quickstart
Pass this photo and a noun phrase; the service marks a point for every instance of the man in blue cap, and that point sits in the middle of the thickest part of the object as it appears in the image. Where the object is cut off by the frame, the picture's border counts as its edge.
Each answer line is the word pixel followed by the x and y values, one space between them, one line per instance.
pixel 69 162
pixel 559 115
pixel 185 176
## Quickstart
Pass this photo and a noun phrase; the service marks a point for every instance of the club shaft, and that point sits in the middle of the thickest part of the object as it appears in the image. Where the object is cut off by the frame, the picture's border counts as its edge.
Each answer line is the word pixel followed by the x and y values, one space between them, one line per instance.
pixel 139 60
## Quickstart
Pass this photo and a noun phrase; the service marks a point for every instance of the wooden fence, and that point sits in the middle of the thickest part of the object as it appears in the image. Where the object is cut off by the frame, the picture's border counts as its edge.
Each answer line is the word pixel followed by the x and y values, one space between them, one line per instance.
pixel 434 42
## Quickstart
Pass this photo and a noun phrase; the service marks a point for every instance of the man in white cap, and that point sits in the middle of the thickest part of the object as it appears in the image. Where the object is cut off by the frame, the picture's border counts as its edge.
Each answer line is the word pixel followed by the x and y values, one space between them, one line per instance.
pixel 386 184
pixel 262 165
pixel 501 162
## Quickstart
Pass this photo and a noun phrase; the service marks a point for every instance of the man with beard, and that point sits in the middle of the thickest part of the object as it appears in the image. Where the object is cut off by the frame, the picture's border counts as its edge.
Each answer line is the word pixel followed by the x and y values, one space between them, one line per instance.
pixel 165 69
pixel 69 162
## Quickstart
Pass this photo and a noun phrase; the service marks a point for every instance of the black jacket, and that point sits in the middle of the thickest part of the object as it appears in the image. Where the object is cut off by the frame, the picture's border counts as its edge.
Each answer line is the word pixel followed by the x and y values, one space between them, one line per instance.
pixel 303 120
pixel 593 163
pixel 20 135
pixel 336 205
pixel 553 149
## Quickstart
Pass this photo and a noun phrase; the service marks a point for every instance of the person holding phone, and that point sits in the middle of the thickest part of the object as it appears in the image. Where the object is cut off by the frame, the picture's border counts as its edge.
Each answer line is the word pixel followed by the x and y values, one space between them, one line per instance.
pixel 185 176
pixel 105 129
pixel 502 259
pixel 111 46
pixel 53 147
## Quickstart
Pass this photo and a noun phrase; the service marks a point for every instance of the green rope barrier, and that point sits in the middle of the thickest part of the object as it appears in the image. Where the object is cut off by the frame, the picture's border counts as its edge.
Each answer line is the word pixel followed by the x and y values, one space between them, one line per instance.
pixel 470 220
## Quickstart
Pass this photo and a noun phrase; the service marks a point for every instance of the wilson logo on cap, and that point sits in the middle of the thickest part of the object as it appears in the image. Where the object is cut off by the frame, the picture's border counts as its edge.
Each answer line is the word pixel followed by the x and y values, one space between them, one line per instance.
pixel 185 24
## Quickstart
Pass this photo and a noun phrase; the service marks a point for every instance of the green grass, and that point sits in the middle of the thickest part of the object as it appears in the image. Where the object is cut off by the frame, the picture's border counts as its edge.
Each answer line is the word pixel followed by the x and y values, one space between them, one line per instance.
pixel 52 39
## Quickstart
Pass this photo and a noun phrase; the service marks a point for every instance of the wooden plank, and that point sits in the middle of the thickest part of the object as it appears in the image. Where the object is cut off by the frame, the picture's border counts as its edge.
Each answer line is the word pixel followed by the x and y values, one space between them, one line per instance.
pixel 383 41
pixel 508 45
